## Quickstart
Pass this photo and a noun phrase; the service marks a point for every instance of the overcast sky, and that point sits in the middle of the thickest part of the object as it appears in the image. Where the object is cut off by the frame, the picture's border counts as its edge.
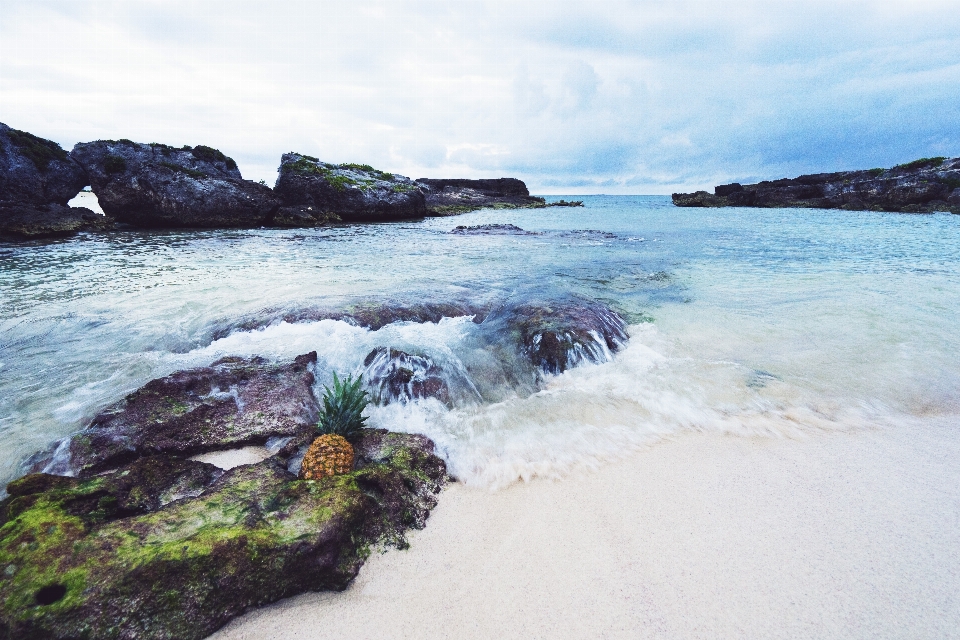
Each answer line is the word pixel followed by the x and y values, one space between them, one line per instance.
pixel 573 97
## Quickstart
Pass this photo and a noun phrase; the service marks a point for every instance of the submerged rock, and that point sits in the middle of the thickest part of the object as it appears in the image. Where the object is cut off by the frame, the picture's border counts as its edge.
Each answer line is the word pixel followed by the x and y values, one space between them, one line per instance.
pixel 156 185
pixel 556 335
pixel 349 192
pixel 922 186
pixel 370 315
pixel 88 558
pixel 29 221
pixel 36 171
pixel 491 230
pixel 446 196
pixel 232 403
pixel 396 376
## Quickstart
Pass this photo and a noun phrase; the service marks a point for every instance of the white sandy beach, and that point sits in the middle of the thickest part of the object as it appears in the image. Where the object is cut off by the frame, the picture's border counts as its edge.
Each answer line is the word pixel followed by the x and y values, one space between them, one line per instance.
pixel 844 535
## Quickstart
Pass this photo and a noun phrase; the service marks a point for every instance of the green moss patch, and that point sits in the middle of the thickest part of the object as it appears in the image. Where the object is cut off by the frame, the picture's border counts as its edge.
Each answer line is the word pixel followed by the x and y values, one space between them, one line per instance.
pixel 209 154
pixel 73 565
pixel 40 152
pixel 921 163
pixel 114 164
pixel 193 173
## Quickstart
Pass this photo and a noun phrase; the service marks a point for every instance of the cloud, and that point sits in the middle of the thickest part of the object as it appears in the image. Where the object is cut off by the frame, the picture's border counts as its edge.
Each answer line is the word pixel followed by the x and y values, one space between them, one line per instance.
pixel 636 96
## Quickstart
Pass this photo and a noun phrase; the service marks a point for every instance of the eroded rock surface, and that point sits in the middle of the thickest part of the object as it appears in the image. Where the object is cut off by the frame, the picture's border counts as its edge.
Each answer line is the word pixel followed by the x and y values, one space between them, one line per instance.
pixel 156 185
pixel 922 186
pixel 392 375
pixel 347 192
pixel 29 221
pixel 556 335
pixel 232 403
pixel 37 179
pixel 370 315
pixel 90 558
pixel 446 196
pixel 36 171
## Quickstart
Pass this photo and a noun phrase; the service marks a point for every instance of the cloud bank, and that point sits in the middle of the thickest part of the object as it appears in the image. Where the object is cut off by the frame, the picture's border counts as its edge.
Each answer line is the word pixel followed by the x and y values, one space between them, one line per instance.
pixel 573 97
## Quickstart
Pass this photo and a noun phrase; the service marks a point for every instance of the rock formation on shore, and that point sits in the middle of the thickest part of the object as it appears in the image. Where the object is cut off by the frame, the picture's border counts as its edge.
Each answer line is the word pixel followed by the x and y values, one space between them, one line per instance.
pixel 453 196
pixel 231 403
pixel 921 186
pixel 142 542
pixel 156 185
pixel 37 179
pixel 314 192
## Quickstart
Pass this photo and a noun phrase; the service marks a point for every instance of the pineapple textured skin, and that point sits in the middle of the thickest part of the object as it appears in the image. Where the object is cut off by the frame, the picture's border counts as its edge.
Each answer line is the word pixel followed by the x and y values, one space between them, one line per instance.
pixel 329 455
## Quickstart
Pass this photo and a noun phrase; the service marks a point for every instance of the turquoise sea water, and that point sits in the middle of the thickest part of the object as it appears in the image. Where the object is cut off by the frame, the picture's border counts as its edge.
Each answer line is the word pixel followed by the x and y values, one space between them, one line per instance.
pixel 778 322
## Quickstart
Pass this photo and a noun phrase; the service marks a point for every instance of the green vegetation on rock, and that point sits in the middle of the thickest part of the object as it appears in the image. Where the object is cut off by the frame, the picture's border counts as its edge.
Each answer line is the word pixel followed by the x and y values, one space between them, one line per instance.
pixel 358 167
pixel 921 162
pixel 340 182
pixel 100 558
pixel 209 154
pixel 343 407
pixel 306 166
pixel 114 164
pixel 193 173
pixel 41 152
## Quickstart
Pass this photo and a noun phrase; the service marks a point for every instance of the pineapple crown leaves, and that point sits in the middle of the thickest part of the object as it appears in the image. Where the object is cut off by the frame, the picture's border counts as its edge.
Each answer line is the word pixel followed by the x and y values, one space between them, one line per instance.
pixel 343 406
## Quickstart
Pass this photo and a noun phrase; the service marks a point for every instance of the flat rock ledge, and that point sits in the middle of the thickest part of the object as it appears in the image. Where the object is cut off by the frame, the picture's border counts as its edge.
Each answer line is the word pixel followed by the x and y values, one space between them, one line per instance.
pixel 314 192
pixel 452 196
pixel 25 221
pixel 926 185
pixel 143 542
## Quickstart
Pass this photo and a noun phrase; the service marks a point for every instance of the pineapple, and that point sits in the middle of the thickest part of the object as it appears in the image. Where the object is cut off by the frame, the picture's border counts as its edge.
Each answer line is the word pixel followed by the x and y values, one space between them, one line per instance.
pixel 331 453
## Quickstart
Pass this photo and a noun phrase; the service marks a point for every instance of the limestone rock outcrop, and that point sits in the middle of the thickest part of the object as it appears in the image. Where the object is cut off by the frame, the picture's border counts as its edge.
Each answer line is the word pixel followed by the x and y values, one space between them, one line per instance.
pixel 317 191
pixel 922 186
pixel 37 179
pixel 156 185
pixel 446 196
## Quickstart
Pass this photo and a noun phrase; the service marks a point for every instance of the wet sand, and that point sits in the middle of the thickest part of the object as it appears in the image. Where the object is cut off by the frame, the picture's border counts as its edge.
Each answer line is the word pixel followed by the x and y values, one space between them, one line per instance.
pixel 842 535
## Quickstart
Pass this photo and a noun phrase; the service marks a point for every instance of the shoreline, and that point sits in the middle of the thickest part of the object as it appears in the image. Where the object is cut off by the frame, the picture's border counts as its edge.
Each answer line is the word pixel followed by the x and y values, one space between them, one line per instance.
pixel 847 534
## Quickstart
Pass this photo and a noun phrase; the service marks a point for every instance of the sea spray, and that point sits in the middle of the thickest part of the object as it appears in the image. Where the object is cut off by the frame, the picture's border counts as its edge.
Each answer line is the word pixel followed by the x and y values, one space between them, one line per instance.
pixel 581 418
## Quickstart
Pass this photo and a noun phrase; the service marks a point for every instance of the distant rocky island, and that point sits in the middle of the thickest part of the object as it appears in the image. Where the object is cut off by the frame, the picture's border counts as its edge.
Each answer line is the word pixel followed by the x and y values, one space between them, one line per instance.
pixel 926 185
pixel 159 186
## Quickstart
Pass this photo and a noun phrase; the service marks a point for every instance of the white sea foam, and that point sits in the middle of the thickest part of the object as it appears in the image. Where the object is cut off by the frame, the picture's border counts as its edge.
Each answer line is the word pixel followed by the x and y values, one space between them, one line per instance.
pixel 581 418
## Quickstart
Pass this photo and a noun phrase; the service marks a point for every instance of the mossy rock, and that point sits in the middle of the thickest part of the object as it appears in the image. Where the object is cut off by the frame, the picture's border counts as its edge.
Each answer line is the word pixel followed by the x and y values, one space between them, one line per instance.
pixel 77 566
pixel 353 192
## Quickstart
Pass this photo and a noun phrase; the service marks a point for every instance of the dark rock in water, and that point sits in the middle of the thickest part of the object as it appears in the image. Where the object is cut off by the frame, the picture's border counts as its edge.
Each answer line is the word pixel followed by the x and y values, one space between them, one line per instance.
pixel 348 192
pixel 566 203
pixel 370 315
pixel 91 559
pixel 922 186
pixel 36 171
pixel 393 375
pixel 232 403
pixel 28 221
pixel 446 196
pixel 495 187
pixel 559 334
pixel 300 216
pixel 155 185
pixel 492 230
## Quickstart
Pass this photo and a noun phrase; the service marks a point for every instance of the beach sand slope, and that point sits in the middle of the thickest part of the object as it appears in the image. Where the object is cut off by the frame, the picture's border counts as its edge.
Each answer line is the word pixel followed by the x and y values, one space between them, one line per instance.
pixel 843 535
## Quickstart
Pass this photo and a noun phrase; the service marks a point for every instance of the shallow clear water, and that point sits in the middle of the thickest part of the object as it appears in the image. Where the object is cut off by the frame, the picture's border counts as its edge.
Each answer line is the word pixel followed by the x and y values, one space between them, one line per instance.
pixel 742 320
